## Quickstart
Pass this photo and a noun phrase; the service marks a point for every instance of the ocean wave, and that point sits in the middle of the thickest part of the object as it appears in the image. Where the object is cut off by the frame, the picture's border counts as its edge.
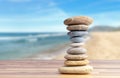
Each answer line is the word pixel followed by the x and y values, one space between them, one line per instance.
pixel 31 38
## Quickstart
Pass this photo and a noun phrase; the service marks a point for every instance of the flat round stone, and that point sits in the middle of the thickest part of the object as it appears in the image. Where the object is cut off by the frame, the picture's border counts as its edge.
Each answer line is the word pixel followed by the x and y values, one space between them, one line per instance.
pixel 77 44
pixel 76 63
pixel 78 20
pixel 78 39
pixel 76 57
pixel 77 33
pixel 76 69
pixel 77 27
pixel 76 50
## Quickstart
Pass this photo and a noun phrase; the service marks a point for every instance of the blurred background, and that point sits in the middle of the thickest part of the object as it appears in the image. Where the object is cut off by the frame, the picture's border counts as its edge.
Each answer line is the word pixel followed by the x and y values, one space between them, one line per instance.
pixel 34 29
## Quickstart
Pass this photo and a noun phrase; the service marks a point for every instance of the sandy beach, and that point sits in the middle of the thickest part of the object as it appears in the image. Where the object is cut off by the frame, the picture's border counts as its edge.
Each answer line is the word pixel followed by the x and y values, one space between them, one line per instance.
pixel 102 45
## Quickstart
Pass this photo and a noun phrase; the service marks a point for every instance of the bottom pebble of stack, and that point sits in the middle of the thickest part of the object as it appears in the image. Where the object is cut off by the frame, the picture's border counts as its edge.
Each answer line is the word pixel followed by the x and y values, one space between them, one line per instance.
pixel 76 69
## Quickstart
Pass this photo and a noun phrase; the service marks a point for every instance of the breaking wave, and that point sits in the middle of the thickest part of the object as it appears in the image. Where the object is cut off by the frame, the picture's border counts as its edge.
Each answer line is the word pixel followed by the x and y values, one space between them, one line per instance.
pixel 31 37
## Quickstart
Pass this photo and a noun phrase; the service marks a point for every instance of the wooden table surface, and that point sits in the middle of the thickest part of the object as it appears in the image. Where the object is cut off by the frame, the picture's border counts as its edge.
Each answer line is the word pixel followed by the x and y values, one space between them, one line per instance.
pixel 48 69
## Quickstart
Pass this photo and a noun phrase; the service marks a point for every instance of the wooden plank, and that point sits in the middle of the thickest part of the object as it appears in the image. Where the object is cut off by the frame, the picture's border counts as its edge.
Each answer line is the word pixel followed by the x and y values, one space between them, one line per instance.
pixel 48 69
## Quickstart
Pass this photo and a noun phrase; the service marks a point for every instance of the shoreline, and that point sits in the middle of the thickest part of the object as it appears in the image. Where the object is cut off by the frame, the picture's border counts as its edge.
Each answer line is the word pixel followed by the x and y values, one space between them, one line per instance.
pixel 50 54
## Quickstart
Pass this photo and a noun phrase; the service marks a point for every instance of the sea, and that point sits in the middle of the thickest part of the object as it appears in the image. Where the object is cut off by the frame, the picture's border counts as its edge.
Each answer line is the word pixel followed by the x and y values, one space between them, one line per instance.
pixel 16 46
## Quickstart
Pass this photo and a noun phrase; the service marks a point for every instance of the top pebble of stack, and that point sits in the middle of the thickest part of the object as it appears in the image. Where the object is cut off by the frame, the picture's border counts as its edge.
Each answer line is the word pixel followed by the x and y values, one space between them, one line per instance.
pixel 82 20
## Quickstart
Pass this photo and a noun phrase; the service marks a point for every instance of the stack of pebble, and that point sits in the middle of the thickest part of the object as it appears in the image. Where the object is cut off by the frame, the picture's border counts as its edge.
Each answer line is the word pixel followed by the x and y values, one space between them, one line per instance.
pixel 76 58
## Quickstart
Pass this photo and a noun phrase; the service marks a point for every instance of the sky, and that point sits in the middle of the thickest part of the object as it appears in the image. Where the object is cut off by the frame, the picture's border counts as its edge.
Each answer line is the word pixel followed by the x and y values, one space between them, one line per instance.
pixel 48 15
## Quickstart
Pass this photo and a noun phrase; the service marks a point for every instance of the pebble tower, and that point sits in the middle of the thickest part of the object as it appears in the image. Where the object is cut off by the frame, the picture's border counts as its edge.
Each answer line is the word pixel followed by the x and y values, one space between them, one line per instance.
pixel 76 59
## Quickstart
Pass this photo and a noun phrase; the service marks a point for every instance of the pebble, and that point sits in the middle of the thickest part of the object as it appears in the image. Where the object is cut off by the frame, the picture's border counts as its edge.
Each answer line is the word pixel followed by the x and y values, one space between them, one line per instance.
pixel 78 33
pixel 77 44
pixel 76 69
pixel 77 27
pixel 78 39
pixel 76 57
pixel 78 20
pixel 76 63
pixel 76 50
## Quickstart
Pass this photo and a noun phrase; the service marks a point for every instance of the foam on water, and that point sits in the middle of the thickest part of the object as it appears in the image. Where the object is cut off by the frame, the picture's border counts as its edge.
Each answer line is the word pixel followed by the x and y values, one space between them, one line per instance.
pixel 31 37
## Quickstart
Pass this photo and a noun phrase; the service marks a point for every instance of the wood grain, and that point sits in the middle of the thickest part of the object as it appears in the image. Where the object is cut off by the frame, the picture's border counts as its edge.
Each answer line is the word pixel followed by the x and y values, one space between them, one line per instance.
pixel 48 69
